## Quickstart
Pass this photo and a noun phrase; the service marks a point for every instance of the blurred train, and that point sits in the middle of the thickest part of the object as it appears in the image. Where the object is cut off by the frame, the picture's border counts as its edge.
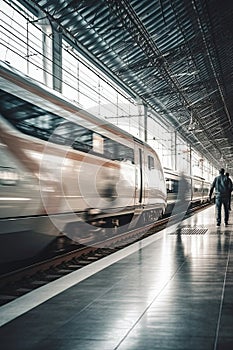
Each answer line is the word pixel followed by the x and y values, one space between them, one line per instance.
pixel 63 170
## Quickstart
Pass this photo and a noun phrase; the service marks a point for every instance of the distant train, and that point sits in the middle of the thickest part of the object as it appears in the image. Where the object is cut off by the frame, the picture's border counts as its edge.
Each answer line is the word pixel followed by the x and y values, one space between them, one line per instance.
pixel 64 170
pixel 198 192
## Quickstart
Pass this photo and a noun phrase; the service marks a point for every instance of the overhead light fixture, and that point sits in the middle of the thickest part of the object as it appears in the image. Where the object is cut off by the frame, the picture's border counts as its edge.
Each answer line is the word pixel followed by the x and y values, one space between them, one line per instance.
pixel 192 124
pixel 191 127
pixel 199 130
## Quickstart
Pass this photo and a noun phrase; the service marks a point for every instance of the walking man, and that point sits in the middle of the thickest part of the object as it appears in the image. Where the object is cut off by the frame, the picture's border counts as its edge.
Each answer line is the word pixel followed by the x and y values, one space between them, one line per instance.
pixel 220 184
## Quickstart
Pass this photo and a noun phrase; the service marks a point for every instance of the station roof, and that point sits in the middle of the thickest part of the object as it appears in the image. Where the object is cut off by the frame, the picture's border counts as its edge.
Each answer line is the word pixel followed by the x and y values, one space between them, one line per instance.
pixel 175 55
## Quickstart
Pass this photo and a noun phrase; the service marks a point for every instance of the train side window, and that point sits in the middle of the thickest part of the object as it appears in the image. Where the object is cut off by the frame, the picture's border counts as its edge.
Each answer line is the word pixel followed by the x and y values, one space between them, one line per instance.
pixel 175 186
pixel 196 188
pixel 28 118
pixel 151 163
pixel 110 148
pixel 8 176
pixel 35 121
pixel 172 185
pixel 73 135
pixel 83 138
pixel 125 153
pixel 117 151
pixel 169 185
pixel 41 126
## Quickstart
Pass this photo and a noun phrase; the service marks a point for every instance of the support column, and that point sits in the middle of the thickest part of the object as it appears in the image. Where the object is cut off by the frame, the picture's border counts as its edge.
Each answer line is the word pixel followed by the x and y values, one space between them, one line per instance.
pixel 145 123
pixel 190 161
pixel 46 51
pixel 57 58
pixel 175 150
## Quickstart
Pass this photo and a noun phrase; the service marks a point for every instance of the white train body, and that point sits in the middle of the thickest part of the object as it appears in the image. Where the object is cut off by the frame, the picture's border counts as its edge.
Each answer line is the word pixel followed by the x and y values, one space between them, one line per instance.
pixel 60 166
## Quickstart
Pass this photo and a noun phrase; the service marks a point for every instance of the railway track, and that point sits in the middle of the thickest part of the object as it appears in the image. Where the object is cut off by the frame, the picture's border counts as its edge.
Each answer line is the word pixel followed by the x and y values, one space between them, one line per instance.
pixel 23 280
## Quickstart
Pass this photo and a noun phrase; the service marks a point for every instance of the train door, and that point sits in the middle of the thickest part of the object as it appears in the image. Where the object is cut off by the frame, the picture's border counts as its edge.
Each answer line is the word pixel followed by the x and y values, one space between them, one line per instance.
pixel 138 162
pixel 139 193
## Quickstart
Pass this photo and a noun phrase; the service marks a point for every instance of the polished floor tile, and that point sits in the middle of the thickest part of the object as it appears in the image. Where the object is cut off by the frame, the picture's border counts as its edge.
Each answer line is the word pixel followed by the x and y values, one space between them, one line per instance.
pixel 173 294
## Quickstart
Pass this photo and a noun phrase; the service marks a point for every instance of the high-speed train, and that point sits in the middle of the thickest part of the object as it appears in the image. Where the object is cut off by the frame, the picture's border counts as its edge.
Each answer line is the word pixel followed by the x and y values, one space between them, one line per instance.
pixel 63 170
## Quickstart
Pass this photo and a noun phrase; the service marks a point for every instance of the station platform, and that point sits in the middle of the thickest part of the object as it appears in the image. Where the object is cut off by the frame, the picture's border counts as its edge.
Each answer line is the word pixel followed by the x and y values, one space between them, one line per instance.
pixel 171 291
